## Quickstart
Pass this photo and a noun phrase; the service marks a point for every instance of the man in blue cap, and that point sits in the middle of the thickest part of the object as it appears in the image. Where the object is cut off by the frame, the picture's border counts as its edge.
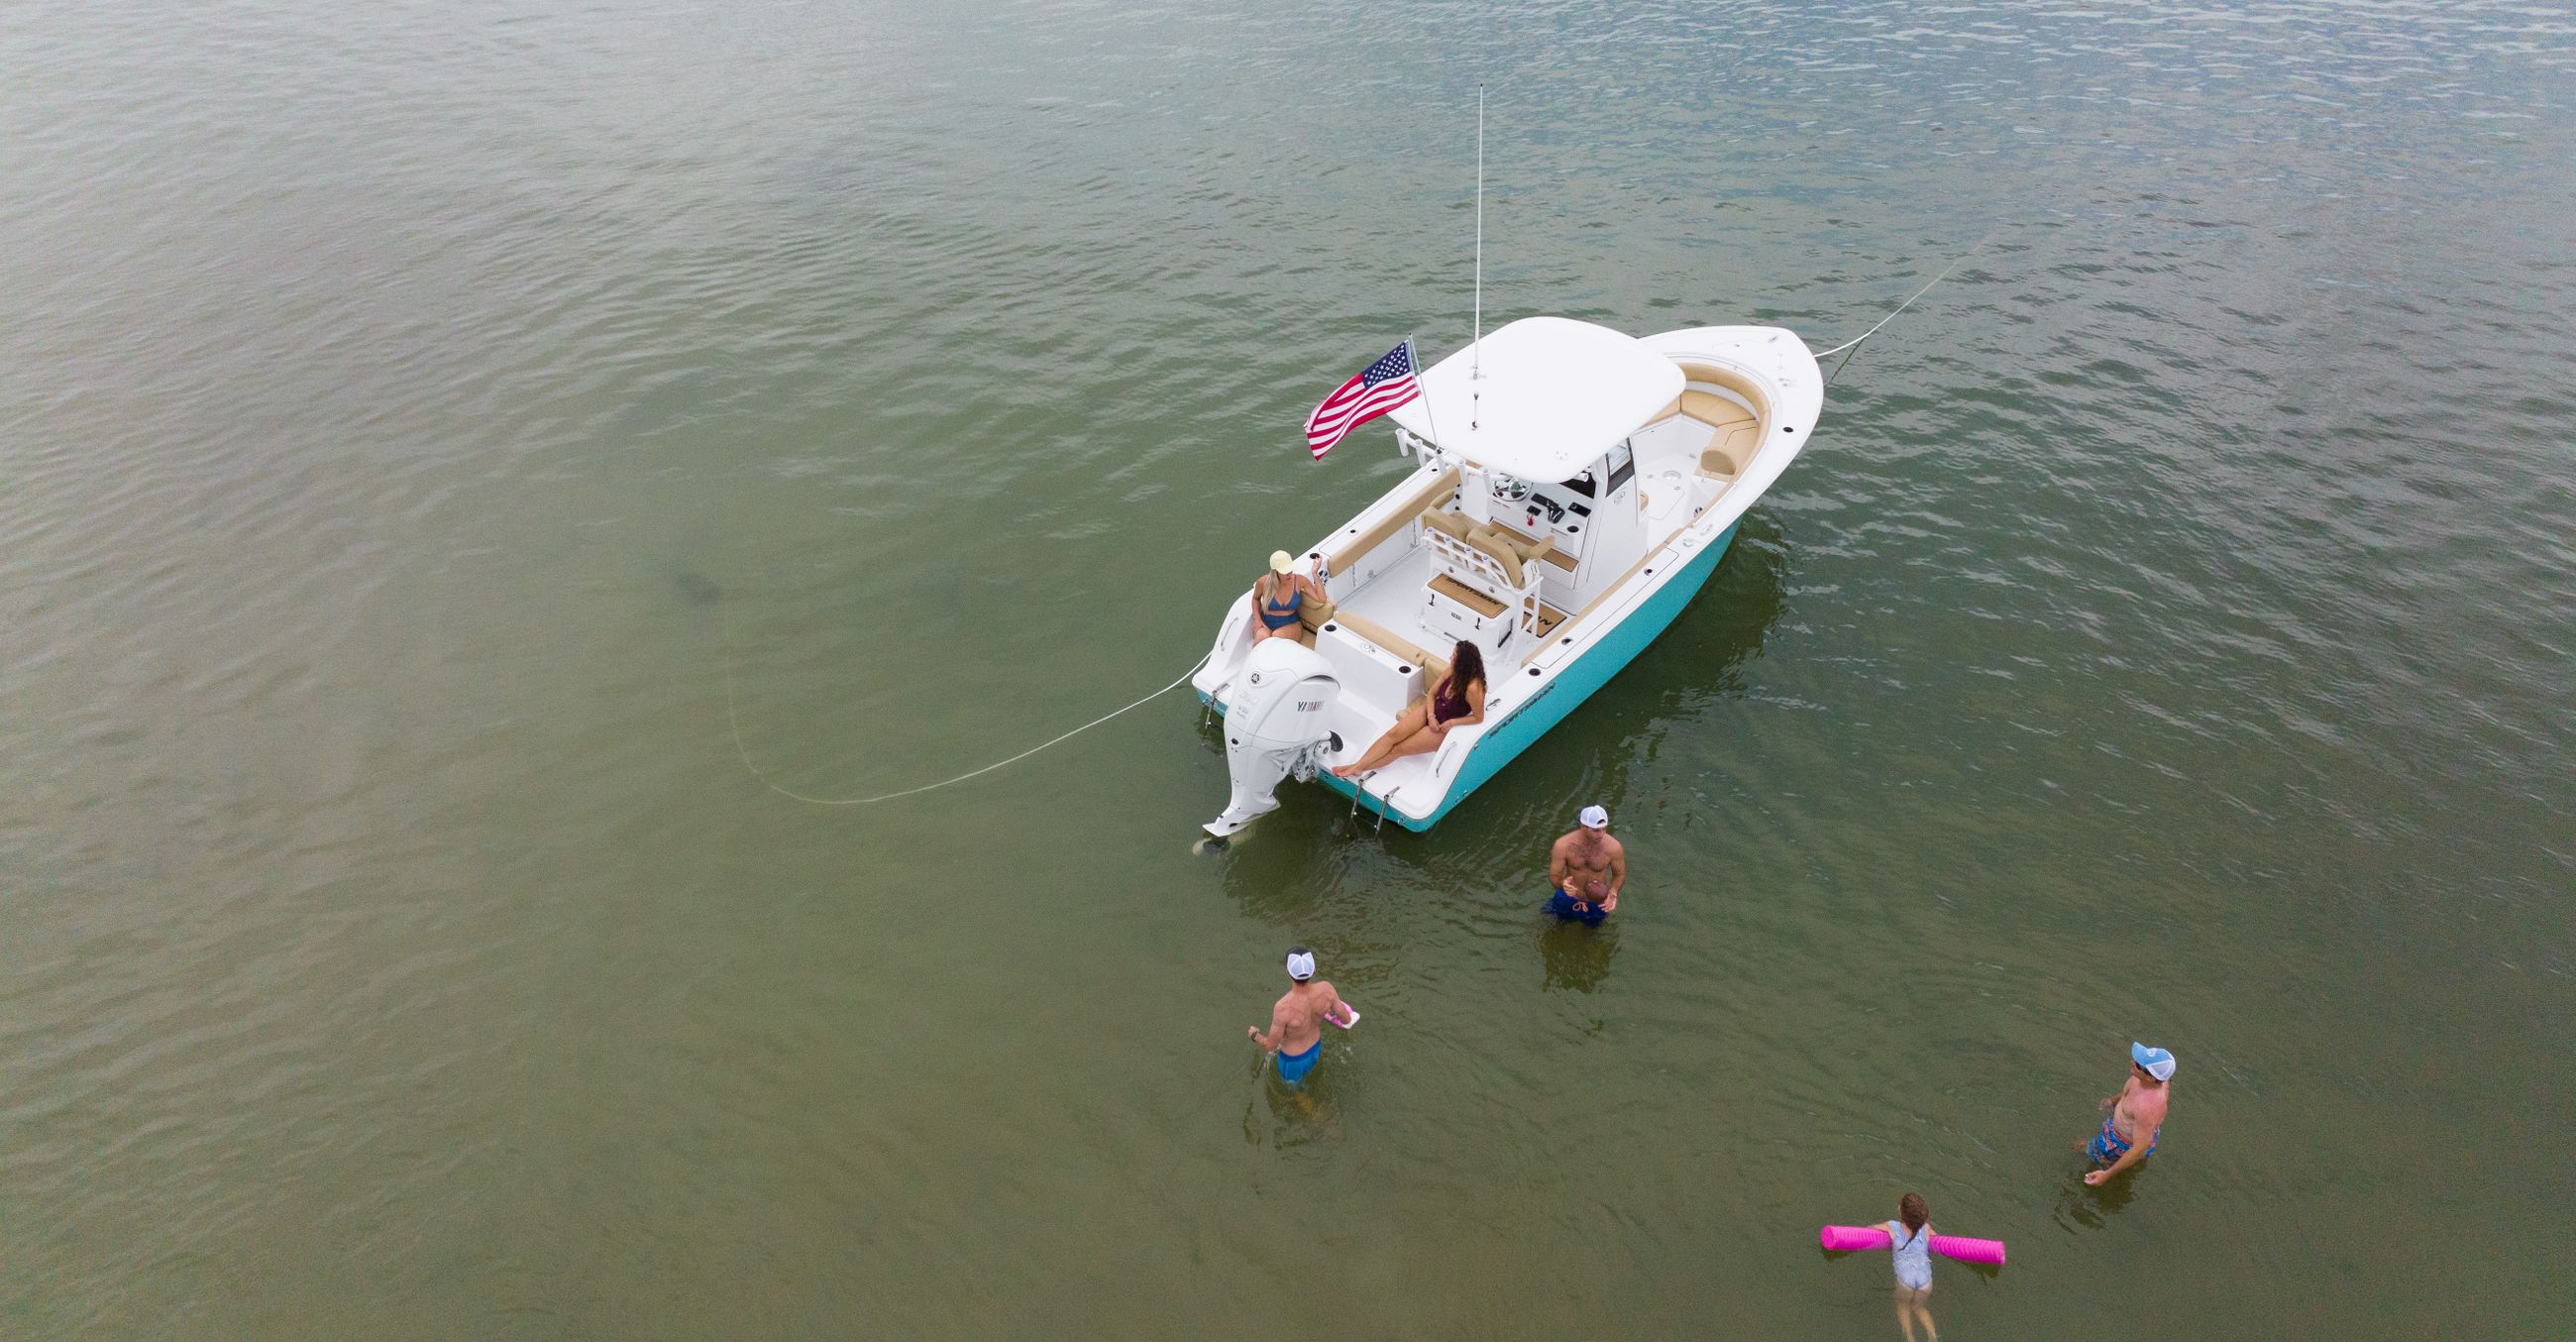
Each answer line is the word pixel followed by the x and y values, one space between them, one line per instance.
pixel 2139 1107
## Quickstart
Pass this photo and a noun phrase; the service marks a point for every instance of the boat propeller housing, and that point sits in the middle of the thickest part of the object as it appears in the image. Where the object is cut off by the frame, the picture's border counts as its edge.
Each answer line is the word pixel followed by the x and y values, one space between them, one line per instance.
pixel 1278 718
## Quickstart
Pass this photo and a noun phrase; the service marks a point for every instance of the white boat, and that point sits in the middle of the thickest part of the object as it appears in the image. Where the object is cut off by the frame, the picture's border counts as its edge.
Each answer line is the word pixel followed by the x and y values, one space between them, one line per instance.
pixel 1576 486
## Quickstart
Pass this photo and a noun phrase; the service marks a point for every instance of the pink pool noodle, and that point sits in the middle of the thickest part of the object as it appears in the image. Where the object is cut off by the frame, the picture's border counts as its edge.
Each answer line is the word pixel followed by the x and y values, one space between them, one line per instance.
pixel 1851 1239
pixel 1965 1250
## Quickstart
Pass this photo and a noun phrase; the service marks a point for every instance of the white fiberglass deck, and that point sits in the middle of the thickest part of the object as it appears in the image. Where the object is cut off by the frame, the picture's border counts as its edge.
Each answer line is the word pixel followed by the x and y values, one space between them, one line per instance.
pixel 1394 602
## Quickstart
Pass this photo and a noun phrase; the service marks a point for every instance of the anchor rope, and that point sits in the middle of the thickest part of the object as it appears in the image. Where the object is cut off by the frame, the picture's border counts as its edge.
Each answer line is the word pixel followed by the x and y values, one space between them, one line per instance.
pixel 733 717
pixel 1853 344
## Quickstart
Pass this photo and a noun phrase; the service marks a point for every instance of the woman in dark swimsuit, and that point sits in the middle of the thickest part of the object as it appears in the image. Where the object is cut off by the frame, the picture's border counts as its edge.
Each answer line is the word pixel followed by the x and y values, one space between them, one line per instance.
pixel 1456 701
pixel 1278 597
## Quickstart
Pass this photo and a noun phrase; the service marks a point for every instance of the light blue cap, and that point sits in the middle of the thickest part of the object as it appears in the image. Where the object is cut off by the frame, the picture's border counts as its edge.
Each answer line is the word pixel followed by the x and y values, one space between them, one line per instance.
pixel 2158 1062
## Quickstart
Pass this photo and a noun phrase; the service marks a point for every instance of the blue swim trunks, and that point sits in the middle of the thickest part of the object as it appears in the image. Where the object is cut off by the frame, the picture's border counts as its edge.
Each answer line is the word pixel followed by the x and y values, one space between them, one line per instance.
pixel 1563 906
pixel 1293 1067
pixel 2107 1148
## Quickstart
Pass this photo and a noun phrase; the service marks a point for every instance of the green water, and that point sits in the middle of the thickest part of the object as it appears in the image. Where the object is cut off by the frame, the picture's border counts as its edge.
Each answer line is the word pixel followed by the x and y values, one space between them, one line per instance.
pixel 2166 635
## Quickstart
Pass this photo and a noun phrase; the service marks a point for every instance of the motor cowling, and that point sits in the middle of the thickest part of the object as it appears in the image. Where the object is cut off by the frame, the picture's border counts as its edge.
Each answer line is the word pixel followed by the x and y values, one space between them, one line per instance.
pixel 1278 715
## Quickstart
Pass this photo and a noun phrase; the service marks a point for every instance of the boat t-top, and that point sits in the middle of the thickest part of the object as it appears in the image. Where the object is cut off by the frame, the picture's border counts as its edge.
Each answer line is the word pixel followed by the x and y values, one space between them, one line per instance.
pixel 1575 486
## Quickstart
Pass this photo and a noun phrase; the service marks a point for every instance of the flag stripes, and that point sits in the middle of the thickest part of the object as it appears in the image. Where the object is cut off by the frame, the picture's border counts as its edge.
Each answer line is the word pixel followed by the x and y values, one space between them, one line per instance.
pixel 1380 387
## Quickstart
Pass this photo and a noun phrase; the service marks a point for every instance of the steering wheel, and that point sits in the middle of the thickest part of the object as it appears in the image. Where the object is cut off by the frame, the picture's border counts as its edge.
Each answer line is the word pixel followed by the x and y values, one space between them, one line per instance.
pixel 1509 488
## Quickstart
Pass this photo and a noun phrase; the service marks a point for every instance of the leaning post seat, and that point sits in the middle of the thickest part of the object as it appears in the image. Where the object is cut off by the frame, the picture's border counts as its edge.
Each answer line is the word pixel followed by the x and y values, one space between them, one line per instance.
pixel 1505 557
pixel 1457 554
pixel 1479 589
pixel 1453 525
pixel 1527 549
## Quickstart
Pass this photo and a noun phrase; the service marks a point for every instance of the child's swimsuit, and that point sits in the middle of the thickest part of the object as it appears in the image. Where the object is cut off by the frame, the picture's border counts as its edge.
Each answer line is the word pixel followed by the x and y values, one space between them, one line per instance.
pixel 2107 1148
pixel 1913 1256
pixel 1280 617
pixel 1293 1067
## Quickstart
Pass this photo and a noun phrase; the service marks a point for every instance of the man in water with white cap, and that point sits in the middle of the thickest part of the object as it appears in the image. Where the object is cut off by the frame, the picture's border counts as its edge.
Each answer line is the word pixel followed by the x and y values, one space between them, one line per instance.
pixel 1588 867
pixel 1296 1037
pixel 2139 1107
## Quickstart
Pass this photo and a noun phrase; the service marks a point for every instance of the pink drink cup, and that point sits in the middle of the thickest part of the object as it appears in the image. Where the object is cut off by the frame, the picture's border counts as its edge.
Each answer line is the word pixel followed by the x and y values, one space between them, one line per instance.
pixel 1852 1239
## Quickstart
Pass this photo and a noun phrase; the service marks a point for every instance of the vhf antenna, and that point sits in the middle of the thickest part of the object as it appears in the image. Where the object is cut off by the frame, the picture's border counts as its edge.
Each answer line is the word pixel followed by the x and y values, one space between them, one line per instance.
pixel 1475 354
pixel 1474 359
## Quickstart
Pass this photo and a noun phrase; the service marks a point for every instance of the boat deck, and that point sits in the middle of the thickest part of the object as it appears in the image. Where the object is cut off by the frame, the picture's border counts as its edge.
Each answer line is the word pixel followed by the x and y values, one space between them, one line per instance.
pixel 1393 602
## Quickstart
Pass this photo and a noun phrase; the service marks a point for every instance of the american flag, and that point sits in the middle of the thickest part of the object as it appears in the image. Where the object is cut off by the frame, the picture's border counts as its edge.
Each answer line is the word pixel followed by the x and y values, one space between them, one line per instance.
pixel 1380 387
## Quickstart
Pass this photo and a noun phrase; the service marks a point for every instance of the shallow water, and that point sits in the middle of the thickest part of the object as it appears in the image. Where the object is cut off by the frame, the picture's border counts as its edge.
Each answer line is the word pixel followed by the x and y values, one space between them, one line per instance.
pixel 2166 636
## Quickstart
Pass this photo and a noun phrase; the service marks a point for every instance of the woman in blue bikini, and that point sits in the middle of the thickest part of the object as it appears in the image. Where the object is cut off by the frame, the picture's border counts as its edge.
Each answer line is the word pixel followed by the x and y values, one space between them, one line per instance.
pixel 1279 597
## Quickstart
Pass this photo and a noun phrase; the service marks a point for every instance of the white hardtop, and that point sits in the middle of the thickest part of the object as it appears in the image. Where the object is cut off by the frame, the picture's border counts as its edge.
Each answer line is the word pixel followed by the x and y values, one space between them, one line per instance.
pixel 1551 397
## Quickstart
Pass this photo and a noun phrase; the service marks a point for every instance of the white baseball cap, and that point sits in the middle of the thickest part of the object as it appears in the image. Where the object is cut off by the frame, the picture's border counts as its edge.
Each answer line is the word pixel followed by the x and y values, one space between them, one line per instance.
pixel 1301 963
pixel 1594 817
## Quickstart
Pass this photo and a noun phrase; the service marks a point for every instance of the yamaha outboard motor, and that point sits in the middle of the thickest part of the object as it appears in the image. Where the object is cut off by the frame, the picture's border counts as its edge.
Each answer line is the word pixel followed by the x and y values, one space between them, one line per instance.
pixel 1277 718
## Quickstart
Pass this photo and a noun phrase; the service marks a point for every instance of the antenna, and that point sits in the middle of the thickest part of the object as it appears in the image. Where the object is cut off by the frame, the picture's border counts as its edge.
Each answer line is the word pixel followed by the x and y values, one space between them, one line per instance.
pixel 1476 354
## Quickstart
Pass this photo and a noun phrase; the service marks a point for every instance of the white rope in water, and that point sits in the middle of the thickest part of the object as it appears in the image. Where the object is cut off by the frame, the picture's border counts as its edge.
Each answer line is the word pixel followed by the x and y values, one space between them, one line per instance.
pixel 734 717
pixel 1854 343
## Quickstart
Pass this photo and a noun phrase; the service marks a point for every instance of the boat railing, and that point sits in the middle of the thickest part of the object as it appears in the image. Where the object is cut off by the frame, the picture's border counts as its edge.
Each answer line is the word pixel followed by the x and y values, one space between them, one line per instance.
pixel 1482 586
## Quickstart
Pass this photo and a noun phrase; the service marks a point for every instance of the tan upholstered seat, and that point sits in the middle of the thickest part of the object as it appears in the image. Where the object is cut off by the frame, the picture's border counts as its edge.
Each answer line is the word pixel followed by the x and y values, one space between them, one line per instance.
pixel 1467 596
pixel 1313 615
pixel 1494 547
pixel 1730 452
pixel 1507 548
pixel 1713 410
pixel 1379 635
pixel 1734 431
pixel 1528 549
